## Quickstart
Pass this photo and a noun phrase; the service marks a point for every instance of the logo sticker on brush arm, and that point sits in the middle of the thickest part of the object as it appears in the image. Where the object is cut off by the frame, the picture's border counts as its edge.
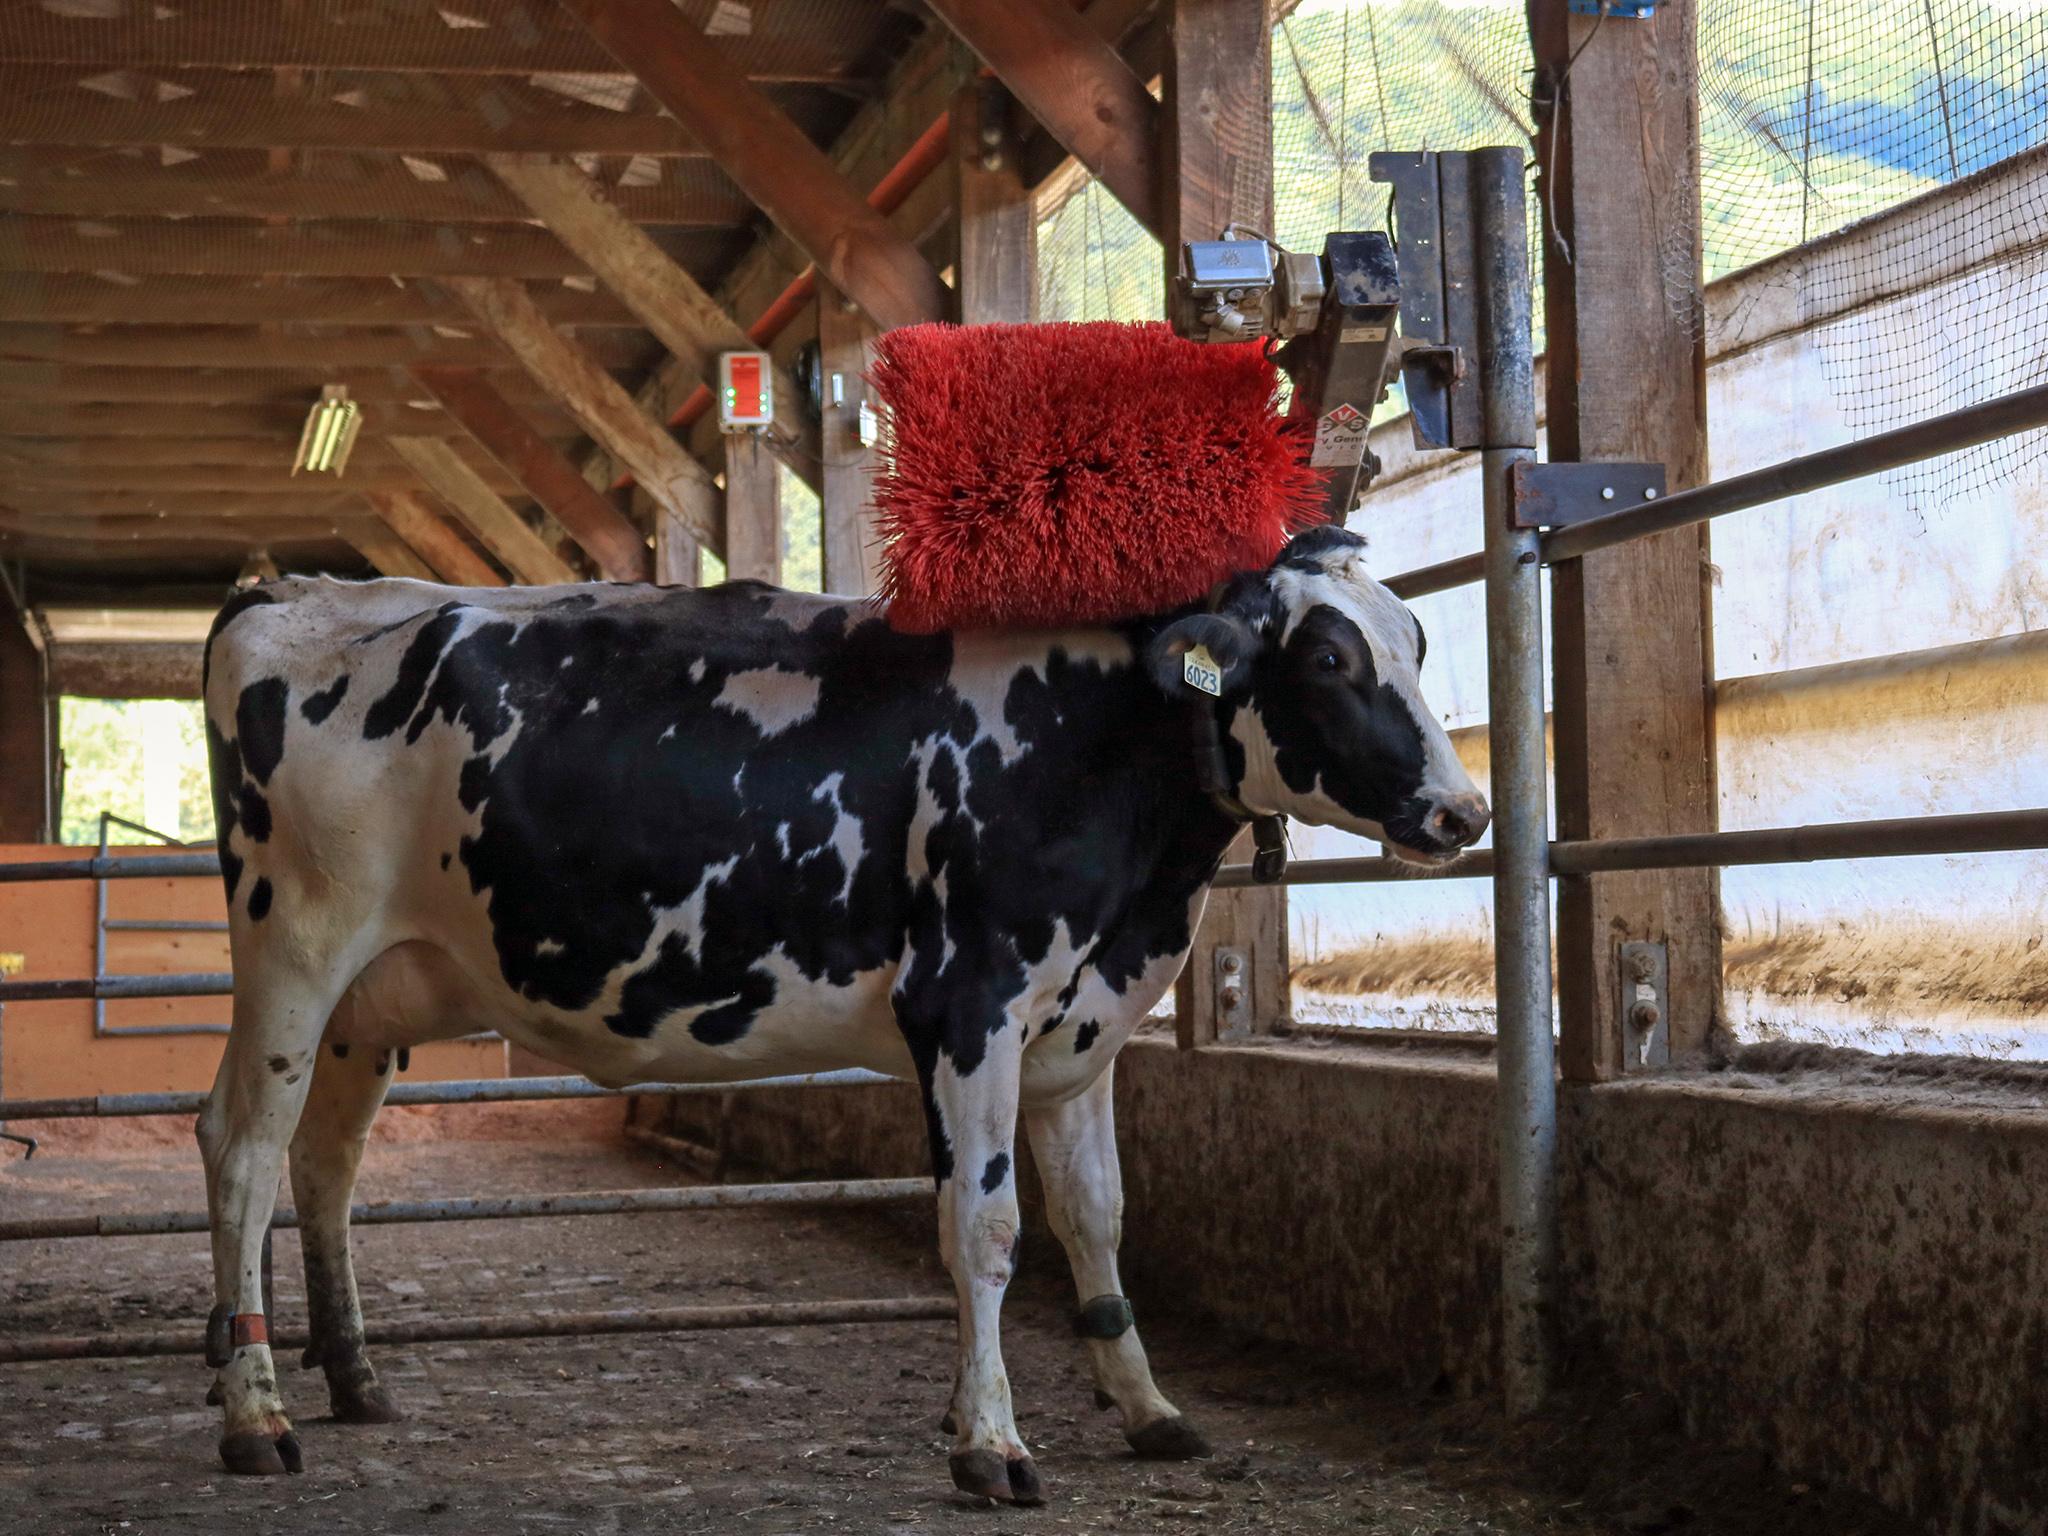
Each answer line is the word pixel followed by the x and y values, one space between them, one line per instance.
pixel 1340 438
pixel 1198 670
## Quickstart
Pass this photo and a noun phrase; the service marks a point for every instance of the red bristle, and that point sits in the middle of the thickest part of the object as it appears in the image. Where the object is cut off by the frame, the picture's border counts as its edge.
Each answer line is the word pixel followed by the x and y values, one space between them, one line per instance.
pixel 1077 473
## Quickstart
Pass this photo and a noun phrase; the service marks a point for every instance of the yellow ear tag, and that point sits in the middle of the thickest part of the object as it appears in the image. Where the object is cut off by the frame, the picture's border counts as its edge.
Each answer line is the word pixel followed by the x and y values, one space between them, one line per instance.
pixel 1198 669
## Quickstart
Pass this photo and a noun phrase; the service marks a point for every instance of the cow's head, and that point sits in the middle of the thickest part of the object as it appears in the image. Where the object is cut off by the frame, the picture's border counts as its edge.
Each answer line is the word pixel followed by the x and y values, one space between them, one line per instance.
pixel 1318 667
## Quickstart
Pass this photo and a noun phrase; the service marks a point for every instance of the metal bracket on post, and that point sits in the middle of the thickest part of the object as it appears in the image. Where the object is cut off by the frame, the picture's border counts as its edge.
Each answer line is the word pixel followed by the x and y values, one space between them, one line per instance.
pixel 1622 10
pixel 1558 495
pixel 1233 993
pixel 1644 998
pixel 1438 267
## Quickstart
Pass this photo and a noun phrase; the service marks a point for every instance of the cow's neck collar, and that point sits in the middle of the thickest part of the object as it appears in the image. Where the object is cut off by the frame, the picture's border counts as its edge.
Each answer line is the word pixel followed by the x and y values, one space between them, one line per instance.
pixel 1212 775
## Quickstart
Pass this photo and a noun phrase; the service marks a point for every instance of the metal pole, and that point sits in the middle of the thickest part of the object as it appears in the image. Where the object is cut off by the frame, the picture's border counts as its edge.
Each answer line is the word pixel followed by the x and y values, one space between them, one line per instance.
pixel 518 1325
pixel 2016 412
pixel 143 866
pixel 1903 837
pixel 597 1202
pixel 1526 1067
pixel 474 1090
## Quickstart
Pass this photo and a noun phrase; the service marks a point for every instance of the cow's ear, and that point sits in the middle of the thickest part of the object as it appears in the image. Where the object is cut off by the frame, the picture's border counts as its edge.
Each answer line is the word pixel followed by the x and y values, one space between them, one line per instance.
pixel 1203 653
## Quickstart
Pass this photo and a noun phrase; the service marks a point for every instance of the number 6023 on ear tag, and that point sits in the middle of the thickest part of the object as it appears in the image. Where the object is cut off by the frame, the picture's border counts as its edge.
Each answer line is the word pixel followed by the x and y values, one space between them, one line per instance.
pixel 1198 669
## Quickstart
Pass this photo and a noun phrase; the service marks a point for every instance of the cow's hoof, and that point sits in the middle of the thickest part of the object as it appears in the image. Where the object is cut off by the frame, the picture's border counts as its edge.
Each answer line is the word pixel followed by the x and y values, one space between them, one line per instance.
pixel 986 1475
pixel 251 1453
pixel 365 1405
pixel 1173 1439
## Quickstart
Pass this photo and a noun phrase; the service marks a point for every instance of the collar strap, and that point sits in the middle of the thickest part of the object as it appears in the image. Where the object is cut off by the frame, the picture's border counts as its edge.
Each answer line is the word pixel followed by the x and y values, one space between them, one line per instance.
pixel 1212 774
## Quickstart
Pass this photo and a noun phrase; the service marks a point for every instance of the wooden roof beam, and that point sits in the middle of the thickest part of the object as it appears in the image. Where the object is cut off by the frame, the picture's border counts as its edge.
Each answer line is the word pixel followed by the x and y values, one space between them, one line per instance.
pixel 683 316
pixel 439 545
pixel 670 474
pixel 201 424
pixel 45 383
pixel 385 550
pixel 1076 84
pixel 788 177
pixel 497 526
pixel 607 535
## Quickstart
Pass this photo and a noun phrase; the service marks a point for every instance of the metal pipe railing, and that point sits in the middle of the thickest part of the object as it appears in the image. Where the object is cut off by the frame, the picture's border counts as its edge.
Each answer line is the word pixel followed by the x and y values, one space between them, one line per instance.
pixel 1901 837
pixel 123 1344
pixel 141 866
pixel 597 1202
pixel 171 984
pixel 2020 411
pixel 476 1090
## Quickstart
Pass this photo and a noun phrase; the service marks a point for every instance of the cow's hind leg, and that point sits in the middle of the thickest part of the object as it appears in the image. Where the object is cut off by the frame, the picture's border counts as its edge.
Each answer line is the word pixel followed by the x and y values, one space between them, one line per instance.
pixel 348 1087
pixel 265 1073
pixel 1074 1144
pixel 973 1128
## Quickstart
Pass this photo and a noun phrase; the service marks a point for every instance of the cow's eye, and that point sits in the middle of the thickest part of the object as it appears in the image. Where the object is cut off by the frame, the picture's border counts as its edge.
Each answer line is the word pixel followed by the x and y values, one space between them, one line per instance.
pixel 1329 661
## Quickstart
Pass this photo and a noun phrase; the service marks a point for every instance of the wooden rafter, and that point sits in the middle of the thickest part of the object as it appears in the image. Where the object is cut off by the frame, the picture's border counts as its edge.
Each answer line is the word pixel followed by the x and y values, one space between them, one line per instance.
pixel 611 415
pixel 44 383
pixel 1077 85
pixel 671 303
pixel 385 550
pixel 496 525
pixel 788 177
pixel 116 472
pixel 606 534
pixel 433 540
pixel 257 424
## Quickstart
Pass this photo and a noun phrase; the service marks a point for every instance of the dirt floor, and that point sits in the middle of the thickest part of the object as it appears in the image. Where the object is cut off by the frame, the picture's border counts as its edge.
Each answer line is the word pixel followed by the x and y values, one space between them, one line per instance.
pixel 776 1430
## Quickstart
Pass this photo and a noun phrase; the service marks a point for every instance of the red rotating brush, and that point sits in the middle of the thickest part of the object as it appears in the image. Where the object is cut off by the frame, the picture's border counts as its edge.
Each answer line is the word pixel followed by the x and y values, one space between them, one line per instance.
pixel 1077 474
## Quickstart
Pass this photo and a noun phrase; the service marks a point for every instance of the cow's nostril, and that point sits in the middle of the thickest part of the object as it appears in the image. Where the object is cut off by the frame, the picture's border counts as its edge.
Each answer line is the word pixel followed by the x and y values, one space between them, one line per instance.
pixel 1460 820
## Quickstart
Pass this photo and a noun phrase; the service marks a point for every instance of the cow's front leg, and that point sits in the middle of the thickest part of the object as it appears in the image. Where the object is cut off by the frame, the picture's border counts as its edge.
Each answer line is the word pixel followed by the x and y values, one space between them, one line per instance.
pixel 1074 1145
pixel 973 1122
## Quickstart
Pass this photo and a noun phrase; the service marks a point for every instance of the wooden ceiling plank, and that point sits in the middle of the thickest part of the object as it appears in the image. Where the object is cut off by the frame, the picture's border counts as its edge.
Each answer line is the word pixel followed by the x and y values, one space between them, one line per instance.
pixel 670 474
pixel 496 525
pixel 43 383
pixel 432 539
pixel 268 347
pixel 93 299
pixel 510 39
pixel 227 110
pixel 605 534
pixel 115 189
pixel 272 479
pixel 234 248
pixel 787 176
pixel 260 423
pixel 684 317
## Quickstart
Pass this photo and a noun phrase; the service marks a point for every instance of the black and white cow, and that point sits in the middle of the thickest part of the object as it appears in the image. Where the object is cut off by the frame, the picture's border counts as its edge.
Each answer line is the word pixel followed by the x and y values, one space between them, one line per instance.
pixel 665 835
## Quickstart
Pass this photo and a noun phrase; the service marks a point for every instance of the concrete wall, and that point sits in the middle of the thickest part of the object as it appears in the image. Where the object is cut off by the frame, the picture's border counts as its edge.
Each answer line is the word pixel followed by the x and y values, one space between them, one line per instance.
pixel 1851 1277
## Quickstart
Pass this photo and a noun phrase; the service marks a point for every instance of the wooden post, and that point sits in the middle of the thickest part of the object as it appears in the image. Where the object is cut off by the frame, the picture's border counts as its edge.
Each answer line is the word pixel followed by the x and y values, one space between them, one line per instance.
pixel 852 563
pixel 753 510
pixel 678 557
pixel 1630 627
pixel 27 732
pixel 1218 167
pixel 995 268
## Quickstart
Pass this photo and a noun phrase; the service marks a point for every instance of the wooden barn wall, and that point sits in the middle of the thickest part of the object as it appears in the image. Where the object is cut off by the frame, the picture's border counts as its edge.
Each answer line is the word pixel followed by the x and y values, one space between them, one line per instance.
pixel 1853 1280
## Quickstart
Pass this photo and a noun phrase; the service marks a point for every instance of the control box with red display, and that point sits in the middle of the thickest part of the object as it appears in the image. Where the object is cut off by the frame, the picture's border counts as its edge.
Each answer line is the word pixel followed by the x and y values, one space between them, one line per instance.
pixel 746 391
